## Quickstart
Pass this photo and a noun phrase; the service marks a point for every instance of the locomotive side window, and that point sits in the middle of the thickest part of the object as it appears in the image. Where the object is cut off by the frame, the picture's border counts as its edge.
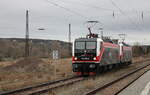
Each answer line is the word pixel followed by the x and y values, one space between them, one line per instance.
pixel 90 45
pixel 80 45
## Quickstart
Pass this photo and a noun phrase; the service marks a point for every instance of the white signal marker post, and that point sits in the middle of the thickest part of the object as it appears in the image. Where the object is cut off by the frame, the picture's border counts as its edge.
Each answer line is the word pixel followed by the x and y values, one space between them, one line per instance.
pixel 55 54
pixel 55 57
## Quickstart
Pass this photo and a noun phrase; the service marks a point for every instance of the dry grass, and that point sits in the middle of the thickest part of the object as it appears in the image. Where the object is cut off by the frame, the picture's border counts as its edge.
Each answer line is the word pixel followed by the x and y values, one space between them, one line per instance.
pixel 16 80
pixel 137 59
pixel 33 71
pixel 63 67
pixel 12 76
pixel 51 93
pixel 4 64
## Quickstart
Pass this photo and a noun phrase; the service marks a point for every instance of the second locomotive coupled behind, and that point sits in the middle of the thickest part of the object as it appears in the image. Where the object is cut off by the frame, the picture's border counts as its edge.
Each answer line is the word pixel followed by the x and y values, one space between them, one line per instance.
pixel 93 54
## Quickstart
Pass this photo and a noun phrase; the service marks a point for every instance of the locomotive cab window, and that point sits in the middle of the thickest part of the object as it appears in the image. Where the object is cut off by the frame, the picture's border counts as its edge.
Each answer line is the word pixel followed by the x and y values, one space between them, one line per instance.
pixel 80 45
pixel 85 45
pixel 90 45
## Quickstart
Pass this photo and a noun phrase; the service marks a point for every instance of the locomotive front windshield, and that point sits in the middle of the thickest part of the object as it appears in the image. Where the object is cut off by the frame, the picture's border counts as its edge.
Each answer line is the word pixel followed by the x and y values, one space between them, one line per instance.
pixel 85 45
pixel 85 50
pixel 80 45
pixel 90 45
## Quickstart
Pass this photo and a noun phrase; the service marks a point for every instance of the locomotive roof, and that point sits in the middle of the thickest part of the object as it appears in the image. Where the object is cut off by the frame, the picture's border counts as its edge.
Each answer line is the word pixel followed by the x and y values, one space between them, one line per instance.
pixel 113 41
pixel 94 39
pixel 86 39
pixel 125 44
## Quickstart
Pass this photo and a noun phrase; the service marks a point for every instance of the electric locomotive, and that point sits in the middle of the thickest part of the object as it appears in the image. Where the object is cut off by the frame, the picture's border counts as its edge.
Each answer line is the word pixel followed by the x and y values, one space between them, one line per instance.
pixel 92 54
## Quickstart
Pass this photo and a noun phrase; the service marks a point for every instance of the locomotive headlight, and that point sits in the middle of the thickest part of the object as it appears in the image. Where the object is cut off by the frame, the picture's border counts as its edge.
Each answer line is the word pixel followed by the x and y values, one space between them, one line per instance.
pixel 94 58
pixel 92 65
pixel 75 58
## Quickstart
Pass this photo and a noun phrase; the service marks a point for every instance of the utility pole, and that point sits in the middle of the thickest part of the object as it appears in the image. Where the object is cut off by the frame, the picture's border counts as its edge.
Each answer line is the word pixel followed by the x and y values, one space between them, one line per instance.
pixel 27 52
pixel 69 36
pixel 69 39
pixel 142 15
pixel 113 14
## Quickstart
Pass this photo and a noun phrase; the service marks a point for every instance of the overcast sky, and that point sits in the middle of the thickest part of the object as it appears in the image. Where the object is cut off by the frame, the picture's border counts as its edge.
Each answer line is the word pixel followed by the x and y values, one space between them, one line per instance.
pixel 55 15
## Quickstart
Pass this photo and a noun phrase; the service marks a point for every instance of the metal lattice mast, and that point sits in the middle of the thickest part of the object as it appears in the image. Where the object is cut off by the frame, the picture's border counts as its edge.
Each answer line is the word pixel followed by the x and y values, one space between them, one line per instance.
pixel 122 37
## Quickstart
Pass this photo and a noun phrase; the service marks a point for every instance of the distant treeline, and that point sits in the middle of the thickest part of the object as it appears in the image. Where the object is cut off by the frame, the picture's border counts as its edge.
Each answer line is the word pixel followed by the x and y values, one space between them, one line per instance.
pixel 13 48
pixel 140 50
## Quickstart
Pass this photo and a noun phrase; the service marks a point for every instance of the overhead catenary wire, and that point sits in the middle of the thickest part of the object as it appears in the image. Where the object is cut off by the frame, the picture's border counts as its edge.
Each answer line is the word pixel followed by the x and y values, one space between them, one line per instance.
pixel 103 8
pixel 53 2
pixel 89 5
pixel 67 9
pixel 97 7
pixel 92 6
pixel 130 19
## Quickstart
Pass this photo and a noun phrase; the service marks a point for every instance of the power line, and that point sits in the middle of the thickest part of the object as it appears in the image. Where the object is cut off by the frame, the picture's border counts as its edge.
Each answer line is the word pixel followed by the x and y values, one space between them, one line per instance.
pixel 89 5
pixel 67 9
pixel 124 14
pixel 78 14
pixel 96 7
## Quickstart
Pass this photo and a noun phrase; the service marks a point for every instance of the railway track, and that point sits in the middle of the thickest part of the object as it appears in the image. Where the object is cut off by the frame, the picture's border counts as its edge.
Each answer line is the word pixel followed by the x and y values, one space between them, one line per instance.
pixel 116 86
pixel 44 87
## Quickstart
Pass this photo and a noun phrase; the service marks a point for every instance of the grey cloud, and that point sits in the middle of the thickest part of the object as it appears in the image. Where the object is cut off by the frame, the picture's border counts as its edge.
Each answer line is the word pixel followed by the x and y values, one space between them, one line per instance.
pixel 55 20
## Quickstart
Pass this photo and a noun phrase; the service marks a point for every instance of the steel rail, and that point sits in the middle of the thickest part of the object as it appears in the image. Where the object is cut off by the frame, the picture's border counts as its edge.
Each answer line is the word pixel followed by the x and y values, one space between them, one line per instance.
pixel 36 86
pixel 47 89
pixel 94 91
pixel 28 88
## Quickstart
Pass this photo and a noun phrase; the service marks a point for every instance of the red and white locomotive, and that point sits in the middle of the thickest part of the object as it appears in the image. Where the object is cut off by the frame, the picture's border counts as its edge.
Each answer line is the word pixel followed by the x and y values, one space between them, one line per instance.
pixel 93 54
